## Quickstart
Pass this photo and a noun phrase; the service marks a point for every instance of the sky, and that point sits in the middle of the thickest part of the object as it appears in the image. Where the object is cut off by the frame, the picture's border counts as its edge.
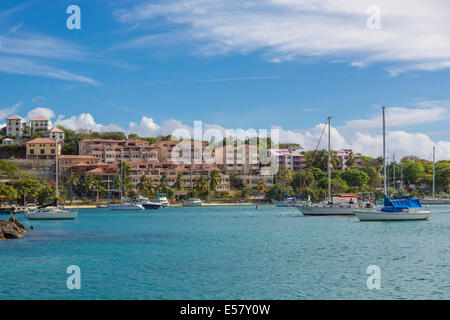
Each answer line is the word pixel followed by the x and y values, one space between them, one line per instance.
pixel 152 67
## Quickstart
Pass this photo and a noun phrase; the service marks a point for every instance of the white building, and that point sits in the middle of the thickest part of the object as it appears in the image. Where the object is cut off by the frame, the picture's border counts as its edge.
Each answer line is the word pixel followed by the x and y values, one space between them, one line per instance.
pixel 15 126
pixel 40 123
pixel 55 134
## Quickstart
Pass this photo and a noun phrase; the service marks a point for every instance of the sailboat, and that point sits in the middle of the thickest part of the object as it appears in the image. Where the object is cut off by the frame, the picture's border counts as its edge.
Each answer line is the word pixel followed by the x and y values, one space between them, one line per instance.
pixel 124 206
pixel 433 199
pixel 52 212
pixel 394 209
pixel 330 208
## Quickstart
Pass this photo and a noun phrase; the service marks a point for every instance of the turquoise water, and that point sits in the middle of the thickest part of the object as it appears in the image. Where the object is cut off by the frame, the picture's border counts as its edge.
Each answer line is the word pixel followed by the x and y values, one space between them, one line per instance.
pixel 227 253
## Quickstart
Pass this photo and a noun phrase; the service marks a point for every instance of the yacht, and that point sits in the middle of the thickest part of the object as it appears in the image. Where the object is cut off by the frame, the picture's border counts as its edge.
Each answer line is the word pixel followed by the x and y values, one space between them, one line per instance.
pixel 193 203
pixel 53 212
pixel 147 204
pixel 394 209
pixel 160 197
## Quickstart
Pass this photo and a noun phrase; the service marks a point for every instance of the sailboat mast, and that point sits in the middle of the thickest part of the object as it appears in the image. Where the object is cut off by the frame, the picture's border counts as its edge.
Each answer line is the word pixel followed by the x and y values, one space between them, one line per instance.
pixel 393 168
pixel 384 150
pixel 56 175
pixel 329 159
pixel 434 164
pixel 121 178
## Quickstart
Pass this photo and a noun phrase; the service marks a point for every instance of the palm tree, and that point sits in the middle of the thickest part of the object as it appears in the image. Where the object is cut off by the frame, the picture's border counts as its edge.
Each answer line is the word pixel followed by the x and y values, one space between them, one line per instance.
pixel 350 160
pixel 98 184
pixel 163 184
pixel 214 180
pixel 142 185
pixel 89 184
pixel 72 180
pixel 179 183
pixel 201 185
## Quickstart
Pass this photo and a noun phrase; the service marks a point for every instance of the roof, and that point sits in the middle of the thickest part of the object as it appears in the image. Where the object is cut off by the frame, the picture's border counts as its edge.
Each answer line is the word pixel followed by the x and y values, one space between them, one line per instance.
pixel 75 156
pixel 55 129
pixel 41 140
pixel 15 117
pixel 39 118
pixel 7 139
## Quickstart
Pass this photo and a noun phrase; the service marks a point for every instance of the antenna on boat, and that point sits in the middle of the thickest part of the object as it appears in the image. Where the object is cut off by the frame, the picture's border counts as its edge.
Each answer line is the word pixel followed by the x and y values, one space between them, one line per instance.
pixel 56 174
pixel 384 151
pixel 329 159
pixel 393 170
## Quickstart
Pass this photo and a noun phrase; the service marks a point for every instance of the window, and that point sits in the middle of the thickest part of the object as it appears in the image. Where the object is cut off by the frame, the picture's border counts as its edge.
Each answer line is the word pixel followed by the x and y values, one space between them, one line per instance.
pixel 32 151
pixel 53 151
pixel 42 151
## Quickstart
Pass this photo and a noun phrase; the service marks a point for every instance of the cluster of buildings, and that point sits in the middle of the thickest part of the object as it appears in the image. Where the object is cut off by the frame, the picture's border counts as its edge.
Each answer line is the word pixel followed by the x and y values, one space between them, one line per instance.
pixel 18 130
pixel 192 159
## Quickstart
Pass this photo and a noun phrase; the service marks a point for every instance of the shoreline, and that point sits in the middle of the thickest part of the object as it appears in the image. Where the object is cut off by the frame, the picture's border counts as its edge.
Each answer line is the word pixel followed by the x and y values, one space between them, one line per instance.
pixel 212 204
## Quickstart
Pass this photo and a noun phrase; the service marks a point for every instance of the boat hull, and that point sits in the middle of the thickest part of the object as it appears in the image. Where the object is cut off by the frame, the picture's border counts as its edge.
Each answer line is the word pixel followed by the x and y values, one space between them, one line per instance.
pixel 435 201
pixel 125 208
pixel 152 206
pixel 189 204
pixel 325 210
pixel 377 215
pixel 62 215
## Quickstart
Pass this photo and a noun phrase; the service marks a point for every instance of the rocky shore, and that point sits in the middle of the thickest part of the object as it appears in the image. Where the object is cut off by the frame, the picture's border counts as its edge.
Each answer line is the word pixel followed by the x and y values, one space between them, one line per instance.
pixel 11 229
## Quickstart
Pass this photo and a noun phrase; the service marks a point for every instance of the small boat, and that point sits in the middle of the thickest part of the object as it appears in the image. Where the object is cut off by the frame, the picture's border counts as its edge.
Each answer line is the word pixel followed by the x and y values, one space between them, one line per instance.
pixel 147 204
pixel 329 209
pixel 289 202
pixel 125 206
pixel 160 198
pixel 403 209
pixel 193 203
pixel 51 213
pixel 433 199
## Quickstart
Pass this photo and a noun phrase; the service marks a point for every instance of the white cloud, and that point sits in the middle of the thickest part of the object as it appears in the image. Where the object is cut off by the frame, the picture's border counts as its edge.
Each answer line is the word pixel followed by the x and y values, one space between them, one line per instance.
pixel 400 143
pixel 46 112
pixel 29 67
pixel 414 34
pixel 39 99
pixel 400 116
pixel 6 112
pixel 85 121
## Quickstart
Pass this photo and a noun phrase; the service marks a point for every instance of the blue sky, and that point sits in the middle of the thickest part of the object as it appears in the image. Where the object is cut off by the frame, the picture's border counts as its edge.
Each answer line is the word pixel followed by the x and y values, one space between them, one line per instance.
pixel 233 64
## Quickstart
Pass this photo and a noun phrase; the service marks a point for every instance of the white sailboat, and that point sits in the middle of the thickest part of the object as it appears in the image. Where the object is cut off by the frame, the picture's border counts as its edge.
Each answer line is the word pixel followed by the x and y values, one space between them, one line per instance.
pixel 394 209
pixel 330 208
pixel 124 206
pixel 192 202
pixel 52 212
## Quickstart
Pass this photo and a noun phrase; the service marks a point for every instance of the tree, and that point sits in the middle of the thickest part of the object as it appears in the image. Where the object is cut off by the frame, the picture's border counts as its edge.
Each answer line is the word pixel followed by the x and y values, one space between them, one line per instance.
pixel 374 176
pixel 214 180
pixel 443 176
pixel 8 192
pixel 28 187
pixel 89 184
pixel 98 185
pixel 201 186
pixel 413 172
pixel 163 184
pixel 338 185
pixel 142 185
pixel 179 182
pixel 72 180
pixel 355 178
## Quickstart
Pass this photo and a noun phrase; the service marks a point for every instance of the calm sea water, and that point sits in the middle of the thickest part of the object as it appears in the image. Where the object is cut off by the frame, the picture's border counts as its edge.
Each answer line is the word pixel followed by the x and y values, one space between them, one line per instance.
pixel 227 253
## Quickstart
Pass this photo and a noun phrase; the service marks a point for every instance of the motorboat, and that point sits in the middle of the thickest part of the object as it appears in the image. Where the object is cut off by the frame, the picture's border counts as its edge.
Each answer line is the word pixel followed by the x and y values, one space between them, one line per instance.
pixel 147 204
pixel 162 199
pixel 125 206
pixel 193 203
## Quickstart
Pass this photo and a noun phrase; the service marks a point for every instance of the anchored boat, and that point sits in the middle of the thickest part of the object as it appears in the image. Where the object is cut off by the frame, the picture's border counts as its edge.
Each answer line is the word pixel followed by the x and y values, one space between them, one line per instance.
pixel 394 209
